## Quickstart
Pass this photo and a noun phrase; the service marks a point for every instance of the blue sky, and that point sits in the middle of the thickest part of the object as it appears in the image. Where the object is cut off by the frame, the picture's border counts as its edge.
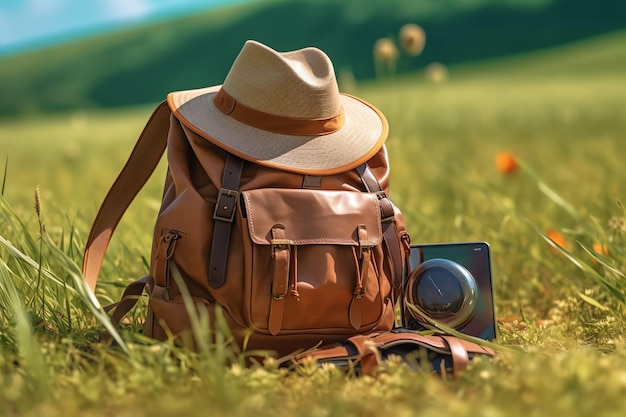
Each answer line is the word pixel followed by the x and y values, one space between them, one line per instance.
pixel 30 23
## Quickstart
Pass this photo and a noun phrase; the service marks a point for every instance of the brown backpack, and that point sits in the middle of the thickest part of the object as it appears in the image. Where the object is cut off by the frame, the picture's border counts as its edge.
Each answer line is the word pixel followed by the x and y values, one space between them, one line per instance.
pixel 293 260
pixel 275 209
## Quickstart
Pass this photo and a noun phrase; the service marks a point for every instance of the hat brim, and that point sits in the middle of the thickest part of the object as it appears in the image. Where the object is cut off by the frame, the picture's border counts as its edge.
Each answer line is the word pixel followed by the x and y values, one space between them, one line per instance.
pixel 360 138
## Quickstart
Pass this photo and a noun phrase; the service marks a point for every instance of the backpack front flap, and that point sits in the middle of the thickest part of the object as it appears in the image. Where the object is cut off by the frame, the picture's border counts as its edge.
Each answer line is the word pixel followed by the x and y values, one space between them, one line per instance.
pixel 314 261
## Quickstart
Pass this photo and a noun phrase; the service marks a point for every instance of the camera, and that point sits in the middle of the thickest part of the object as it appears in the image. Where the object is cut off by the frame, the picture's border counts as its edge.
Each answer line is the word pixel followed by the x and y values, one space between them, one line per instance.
pixel 450 283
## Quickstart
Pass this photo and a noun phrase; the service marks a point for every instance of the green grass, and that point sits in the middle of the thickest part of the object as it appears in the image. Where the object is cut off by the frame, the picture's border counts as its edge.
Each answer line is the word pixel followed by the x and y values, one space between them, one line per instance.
pixel 563 311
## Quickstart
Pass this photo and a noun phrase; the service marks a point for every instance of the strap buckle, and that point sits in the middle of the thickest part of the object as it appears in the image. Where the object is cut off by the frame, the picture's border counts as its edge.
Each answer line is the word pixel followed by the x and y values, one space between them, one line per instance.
pixel 387 212
pixel 226 205
pixel 278 244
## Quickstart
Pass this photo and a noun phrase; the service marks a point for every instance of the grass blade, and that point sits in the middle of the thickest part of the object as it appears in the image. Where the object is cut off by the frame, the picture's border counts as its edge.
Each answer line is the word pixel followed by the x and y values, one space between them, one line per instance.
pixel 31 354
pixel 19 255
pixel 549 192
pixel 591 301
pixel 9 297
pixel 437 326
pixel 23 338
pixel 601 261
pixel 4 177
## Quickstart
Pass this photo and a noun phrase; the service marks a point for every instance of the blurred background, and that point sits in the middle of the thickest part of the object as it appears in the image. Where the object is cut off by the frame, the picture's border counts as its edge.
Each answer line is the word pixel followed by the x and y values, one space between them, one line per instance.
pixel 60 55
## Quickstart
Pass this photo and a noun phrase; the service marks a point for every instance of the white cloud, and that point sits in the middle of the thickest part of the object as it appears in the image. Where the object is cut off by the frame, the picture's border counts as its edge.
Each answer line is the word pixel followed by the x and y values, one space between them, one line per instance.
pixel 5 30
pixel 28 19
pixel 126 9
pixel 42 6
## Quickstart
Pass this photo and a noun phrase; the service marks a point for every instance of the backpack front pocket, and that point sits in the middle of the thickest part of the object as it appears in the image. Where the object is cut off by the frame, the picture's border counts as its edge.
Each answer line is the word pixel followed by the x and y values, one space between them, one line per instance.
pixel 312 261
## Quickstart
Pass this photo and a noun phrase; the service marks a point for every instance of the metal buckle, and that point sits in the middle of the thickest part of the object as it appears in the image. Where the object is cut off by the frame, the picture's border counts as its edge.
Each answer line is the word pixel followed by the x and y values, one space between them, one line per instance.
pixel 280 244
pixel 385 217
pixel 225 211
pixel 380 194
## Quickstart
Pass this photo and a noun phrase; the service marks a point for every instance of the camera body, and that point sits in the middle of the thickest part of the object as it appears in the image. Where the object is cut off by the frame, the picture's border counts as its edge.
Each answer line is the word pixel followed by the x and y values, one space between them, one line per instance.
pixel 450 283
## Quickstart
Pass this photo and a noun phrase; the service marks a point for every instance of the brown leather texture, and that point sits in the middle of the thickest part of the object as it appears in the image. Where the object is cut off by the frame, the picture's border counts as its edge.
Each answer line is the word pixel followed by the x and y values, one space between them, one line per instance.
pixel 308 260
pixel 366 352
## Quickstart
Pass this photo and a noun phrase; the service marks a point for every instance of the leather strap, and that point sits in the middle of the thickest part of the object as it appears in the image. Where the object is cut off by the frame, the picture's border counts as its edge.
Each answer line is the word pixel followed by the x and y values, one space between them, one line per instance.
pixel 131 295
pixel 223 216
pixel 274 123
pixel 164 253
pixel 362 263
pixel 460 357
pixel 281 254
pixel 390 232
pixel 141 163
pixel 369 354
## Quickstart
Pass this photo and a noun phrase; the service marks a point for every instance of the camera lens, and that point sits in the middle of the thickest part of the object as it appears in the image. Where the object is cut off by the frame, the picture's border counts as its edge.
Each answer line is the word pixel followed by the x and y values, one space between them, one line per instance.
pixel 444 291
pixel 438 292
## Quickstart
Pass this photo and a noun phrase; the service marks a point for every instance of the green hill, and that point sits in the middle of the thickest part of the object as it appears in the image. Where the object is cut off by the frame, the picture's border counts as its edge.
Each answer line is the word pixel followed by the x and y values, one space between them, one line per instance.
pixel 141 65
pixel 600 56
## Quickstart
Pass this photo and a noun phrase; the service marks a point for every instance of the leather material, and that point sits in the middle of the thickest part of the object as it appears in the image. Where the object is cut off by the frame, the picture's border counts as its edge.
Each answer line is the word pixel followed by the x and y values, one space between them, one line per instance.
pixel 460 357
pixel 274 123
pixel 302 266
pixel 224 214
pixel 141 163
pixel 311 217
pixel 366 352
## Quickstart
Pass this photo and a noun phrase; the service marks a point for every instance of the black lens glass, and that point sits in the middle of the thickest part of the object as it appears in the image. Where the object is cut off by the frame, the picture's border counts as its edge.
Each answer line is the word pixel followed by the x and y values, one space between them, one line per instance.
pixel 439 292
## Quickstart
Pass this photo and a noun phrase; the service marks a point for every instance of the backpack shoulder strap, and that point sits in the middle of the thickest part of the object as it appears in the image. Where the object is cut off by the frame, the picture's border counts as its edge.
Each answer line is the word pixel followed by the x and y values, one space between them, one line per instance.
pixel 387 213
pixel 141 163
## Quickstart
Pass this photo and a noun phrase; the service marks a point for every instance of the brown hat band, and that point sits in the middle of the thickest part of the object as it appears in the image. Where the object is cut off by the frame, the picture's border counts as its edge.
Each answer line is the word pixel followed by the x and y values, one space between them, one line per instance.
pixel 274 123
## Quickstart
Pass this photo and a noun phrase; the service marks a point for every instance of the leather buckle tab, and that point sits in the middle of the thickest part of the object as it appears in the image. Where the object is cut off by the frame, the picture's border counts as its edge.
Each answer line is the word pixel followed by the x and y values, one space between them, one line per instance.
pixel 226 205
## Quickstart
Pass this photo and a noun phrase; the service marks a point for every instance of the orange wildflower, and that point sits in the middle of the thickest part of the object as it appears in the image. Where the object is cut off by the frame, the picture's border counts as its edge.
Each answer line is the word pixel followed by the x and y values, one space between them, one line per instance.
pixel 600 249
pixel 506 163
pixel 557 238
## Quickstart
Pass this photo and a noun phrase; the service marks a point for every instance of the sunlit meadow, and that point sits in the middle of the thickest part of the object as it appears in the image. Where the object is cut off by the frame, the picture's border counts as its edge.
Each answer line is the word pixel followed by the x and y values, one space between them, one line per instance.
pixel 532 164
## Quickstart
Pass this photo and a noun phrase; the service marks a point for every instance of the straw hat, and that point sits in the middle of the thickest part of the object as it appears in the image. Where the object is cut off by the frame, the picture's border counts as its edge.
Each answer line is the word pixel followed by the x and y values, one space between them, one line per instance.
pixel 284 110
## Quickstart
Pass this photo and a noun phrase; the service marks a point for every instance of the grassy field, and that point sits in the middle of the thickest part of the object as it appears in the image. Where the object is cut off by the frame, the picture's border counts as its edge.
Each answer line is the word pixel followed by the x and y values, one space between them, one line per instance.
pixel 562 312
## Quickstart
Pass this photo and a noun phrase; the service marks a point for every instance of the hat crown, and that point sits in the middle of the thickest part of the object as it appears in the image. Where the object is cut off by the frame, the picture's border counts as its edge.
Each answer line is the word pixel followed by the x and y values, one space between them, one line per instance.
pixel 298 84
